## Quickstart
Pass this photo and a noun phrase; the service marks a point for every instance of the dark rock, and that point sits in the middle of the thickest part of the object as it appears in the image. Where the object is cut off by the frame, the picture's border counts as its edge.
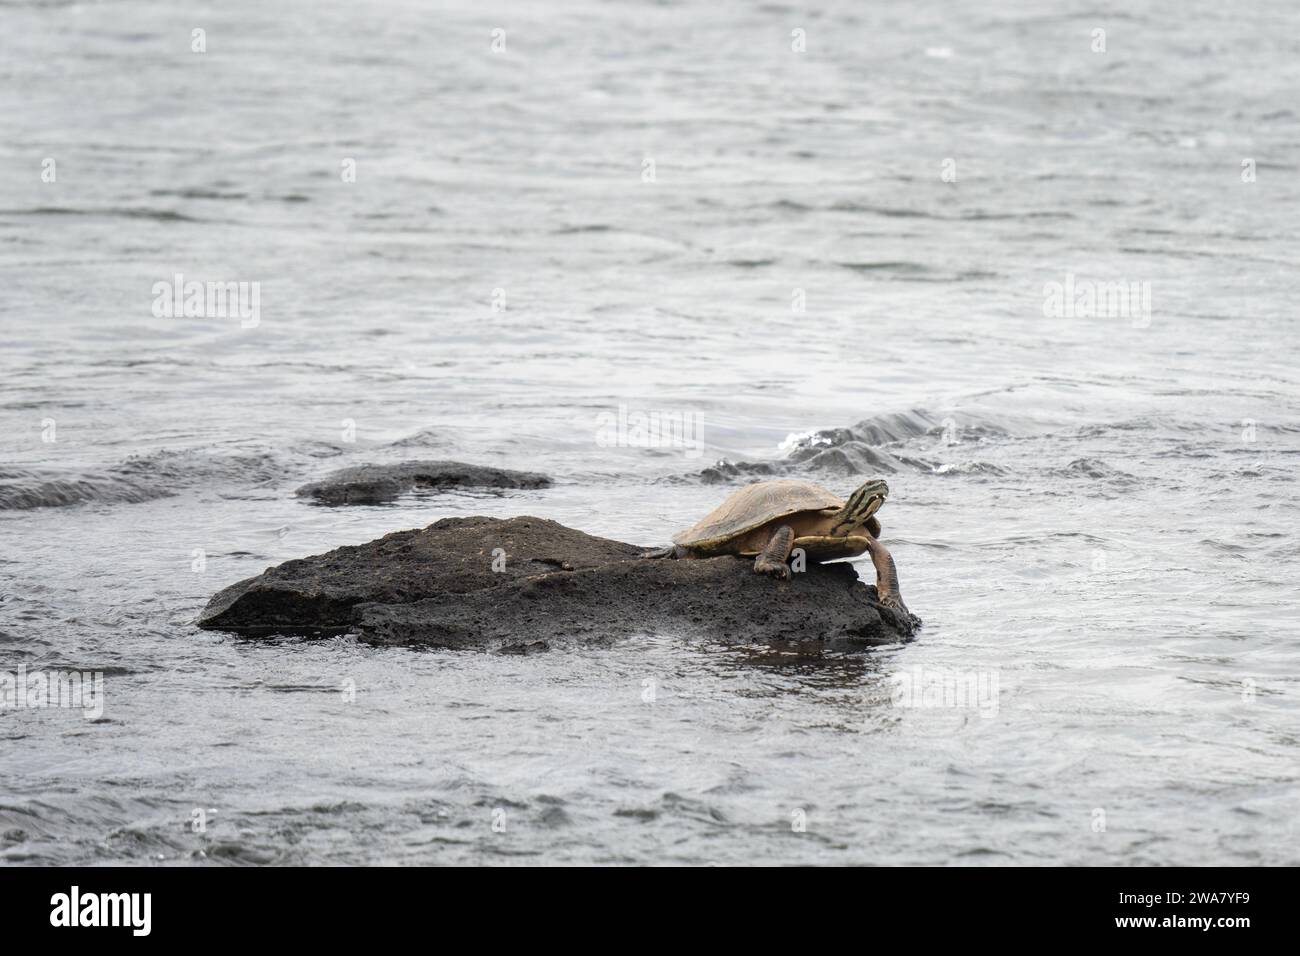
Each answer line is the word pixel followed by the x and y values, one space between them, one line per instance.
pixel 436 587
pixel 376 484
pixel 454 555
pixel 719 598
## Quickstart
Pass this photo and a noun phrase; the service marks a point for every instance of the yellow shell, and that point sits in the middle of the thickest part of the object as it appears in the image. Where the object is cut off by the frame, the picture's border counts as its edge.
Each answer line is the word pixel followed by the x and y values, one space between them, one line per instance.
pixel 755 505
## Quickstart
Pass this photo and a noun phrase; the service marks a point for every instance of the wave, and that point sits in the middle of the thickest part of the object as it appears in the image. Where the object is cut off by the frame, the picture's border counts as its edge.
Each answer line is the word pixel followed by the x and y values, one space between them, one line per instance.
pixel 872 446
pixel 424 438
pixel 139 478
pixel 1093 468
pixel 22 489
pixel 156 215
pixel 967 468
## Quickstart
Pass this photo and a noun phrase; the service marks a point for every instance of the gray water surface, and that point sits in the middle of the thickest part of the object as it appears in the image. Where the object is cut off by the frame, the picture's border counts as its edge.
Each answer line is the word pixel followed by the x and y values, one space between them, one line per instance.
pixel 1095 513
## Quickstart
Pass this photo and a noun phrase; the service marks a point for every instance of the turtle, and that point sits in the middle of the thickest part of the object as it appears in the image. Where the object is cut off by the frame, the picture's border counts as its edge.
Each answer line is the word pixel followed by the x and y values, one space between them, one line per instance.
pixel 769 519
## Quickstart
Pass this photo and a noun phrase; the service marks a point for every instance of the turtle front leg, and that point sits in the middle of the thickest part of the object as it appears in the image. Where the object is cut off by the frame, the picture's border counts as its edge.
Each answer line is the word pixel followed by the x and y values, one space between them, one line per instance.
pixel 887 589
pixel 772 559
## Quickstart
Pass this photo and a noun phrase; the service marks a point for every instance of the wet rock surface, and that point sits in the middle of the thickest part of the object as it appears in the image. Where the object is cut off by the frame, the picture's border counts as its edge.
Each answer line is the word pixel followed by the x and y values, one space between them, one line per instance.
pixel 526 584
pixel 376 484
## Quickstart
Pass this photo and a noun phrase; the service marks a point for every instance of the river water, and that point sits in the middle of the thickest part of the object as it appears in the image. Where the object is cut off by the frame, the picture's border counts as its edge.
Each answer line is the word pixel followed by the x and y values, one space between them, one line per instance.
pixel 1048 289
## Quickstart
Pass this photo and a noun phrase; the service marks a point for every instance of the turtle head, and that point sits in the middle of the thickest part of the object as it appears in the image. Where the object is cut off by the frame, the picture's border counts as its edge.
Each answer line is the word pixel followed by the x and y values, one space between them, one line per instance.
pixel 862 504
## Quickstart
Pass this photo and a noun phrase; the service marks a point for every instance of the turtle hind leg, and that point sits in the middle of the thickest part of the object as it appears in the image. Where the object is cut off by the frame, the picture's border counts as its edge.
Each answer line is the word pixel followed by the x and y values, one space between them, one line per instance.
pixel 772 559
pixel 671 551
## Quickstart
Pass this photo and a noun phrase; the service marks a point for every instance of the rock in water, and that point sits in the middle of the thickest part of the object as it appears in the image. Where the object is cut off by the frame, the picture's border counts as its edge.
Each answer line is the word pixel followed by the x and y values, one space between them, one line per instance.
pixel 528 583
pixel 376 484
pixel 451 556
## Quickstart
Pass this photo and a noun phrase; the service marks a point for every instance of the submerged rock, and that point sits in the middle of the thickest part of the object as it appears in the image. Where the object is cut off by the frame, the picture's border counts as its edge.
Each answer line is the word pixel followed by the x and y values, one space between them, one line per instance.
pixel 376 484
pixel 527 583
